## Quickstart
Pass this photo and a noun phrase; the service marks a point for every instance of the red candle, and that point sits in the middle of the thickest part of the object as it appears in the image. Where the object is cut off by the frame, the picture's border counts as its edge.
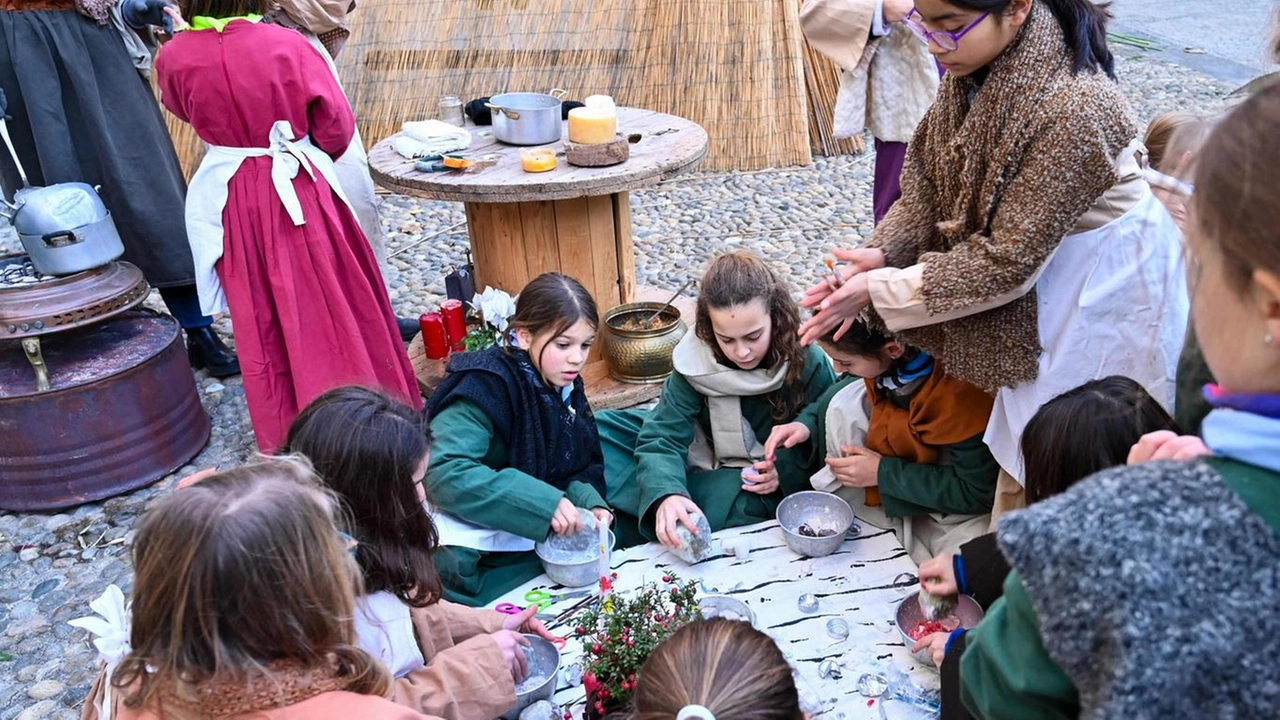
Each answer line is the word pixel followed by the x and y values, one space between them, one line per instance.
pixel 455 322
pixel 434 337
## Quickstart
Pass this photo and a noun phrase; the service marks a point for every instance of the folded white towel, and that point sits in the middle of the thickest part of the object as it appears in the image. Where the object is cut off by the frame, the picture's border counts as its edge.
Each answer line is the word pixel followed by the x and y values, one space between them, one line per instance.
pixel 420 138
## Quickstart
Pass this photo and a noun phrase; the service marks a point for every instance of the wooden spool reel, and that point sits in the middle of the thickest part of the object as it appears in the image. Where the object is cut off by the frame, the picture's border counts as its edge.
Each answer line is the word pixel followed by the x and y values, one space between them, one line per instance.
pixel 603 155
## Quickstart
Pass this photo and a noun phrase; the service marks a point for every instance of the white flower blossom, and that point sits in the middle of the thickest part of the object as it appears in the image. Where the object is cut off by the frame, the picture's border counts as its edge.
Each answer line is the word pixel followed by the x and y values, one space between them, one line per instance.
pixel 495 306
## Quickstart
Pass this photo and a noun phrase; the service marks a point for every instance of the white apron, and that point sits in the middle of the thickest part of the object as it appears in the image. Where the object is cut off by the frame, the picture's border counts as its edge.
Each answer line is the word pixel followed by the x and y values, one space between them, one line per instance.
pixel 456 532
pixel 1111 301
pixel 207 198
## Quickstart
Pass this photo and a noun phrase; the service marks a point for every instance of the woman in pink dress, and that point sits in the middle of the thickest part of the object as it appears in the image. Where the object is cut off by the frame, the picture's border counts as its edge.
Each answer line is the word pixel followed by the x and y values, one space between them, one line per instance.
pixel 272 235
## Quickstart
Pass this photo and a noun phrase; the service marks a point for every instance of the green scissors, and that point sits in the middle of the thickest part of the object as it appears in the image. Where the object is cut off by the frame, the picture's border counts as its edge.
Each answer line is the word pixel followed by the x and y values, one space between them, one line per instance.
pixel 545 599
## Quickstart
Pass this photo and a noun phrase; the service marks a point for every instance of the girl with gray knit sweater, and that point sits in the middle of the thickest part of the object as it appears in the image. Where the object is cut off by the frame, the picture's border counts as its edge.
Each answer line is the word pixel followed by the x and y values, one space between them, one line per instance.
pixel 1150 591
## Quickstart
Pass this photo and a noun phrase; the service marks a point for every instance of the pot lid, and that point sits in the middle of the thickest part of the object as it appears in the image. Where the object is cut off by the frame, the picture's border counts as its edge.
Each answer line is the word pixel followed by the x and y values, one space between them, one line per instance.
pixel 56 208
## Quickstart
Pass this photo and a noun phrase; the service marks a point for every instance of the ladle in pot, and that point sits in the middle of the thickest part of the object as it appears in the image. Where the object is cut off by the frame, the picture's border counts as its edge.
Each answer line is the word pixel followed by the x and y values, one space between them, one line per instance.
pixel 649 322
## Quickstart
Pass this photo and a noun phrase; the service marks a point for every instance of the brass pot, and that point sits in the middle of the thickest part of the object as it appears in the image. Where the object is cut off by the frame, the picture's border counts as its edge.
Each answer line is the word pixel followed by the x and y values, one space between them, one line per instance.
pixel 640 356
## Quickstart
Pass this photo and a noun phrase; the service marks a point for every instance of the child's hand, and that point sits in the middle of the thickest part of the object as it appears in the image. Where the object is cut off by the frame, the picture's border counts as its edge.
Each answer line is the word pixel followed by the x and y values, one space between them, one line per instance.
pixel 764 481
pixel 859 467
pixel 603 516
pixel 938 576
pixel 787 436
pixel 196 477
pixel 1167 445
pixel 937 644
pixel 567 519
pixel 525 622
pixel 512 644
pixel 675 509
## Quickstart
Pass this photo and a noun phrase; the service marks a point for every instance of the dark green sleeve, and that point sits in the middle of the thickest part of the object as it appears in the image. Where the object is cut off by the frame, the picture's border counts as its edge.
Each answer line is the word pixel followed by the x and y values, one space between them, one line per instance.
pixel 662 447
pixel 796 464
pixel 964 486
pixel 468 478
pixel 1005 670
pixel 584 496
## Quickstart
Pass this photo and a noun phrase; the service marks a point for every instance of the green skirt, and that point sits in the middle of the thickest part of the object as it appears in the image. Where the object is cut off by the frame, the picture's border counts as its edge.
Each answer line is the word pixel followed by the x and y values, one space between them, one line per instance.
pixel 718 493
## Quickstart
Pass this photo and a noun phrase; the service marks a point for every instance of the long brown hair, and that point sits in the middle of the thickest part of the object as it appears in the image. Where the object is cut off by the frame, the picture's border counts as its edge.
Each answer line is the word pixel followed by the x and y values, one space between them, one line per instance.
pixel 366 447
pixel 1236 204
pixel 239 571
pixel 726 666
pixel 740 278
pixel 552 303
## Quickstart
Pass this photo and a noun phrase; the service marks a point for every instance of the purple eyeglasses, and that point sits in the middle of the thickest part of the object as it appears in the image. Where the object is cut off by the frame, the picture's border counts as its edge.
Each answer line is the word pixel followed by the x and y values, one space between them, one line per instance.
pixel 944 39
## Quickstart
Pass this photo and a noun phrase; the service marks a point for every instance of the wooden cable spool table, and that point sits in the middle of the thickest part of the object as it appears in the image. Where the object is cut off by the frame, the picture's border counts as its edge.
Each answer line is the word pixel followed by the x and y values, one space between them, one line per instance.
pixel 574 220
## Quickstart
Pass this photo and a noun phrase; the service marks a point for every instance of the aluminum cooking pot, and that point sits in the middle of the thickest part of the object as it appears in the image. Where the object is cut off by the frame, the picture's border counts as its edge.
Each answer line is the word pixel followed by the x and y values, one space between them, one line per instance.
pixel 65 228
pixel 527 118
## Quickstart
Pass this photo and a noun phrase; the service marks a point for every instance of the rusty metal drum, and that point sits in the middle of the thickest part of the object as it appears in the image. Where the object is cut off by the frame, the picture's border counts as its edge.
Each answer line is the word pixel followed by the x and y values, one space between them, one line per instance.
pixel 122 412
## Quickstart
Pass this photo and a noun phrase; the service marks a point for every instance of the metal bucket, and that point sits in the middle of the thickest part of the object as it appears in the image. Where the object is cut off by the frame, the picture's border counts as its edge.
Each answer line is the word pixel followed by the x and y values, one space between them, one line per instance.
pixel 122 413
pixel 528 118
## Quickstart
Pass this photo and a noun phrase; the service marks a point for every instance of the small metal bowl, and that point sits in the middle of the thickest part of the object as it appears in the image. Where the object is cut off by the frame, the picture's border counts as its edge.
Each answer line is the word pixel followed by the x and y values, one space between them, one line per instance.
pixel 817 510
pixel 968 611
pixel 565 568
pixel 726 607
pixel 544 662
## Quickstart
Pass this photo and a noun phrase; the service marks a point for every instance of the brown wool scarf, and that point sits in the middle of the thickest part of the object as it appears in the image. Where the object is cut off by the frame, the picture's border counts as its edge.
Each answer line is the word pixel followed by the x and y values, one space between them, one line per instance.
pixel 285 684
pixel 994 178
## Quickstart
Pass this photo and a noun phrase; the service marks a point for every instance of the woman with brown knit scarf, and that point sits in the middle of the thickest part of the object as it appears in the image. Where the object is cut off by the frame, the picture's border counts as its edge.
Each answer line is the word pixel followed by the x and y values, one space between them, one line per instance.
pixel 1026 252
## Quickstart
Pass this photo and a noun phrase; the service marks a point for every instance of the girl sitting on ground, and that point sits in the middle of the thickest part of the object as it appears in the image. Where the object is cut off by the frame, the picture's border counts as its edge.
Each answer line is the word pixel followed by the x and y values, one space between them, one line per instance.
pixel 452 661
pixel 1071 437
pixel 739 373
pixel 902 440
pixel 717 669
pixel 516 448
pixel 257 550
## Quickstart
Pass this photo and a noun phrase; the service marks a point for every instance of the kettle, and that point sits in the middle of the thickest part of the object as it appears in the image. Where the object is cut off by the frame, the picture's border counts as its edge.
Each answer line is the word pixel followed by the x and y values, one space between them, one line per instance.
pixel 65 228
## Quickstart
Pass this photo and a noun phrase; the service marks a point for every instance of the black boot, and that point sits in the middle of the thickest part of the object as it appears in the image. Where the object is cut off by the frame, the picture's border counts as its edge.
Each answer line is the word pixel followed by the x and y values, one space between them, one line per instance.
pixel 205 350
pixel 408 328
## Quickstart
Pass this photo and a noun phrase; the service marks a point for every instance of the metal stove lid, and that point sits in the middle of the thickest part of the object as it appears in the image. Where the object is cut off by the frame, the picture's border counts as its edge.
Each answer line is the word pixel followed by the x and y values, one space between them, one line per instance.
pixel 54 305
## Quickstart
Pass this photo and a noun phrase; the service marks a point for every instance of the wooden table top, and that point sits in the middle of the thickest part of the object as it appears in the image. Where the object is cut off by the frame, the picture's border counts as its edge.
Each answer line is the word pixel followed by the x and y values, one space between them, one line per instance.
pixel 669 145
pixel 862 583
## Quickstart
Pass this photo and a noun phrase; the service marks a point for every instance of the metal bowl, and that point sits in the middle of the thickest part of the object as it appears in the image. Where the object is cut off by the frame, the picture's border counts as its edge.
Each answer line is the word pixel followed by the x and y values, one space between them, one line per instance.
pixel 540 682
pixel 641 356
pixel 713 606
pixel 817 510
pixel 567 569
pixel 909 613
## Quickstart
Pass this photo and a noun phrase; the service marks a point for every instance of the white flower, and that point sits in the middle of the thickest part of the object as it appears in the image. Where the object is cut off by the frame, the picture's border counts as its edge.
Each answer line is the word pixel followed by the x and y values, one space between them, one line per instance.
pixel 111 626
pixel 495 306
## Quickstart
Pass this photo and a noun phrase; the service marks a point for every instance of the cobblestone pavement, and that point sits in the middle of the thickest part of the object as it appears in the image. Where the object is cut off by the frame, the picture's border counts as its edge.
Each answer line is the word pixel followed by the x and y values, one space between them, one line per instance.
pixel 51 566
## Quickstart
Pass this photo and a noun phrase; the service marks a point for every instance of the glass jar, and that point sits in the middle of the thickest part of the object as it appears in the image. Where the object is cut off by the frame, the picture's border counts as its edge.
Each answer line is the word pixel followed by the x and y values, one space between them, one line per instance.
pixel 449 110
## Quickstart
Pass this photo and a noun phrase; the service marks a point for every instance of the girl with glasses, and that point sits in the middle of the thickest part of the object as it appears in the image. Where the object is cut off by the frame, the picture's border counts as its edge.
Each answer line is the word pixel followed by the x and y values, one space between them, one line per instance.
pixel 1027 251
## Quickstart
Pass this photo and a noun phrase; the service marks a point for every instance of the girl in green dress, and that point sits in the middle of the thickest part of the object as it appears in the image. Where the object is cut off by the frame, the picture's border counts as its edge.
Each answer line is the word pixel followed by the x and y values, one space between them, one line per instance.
pixel 738 374
pixel 516 450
